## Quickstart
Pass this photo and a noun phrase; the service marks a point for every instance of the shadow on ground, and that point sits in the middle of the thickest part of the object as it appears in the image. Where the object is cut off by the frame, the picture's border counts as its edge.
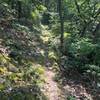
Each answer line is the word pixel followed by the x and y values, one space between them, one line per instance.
pixel 74 86
pixel 23 46
pixel 23 93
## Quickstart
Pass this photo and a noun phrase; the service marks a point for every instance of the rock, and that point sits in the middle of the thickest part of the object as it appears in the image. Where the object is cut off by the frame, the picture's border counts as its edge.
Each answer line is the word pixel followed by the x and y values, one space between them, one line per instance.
pixel 13 69
pixel 2 80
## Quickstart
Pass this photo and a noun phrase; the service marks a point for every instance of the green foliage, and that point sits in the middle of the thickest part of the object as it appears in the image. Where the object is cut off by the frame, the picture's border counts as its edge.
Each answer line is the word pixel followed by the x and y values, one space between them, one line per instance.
pixel 4 59
pixel 20 21
pixel 5 11
pixel 97 54
pixel 19 94
pixel 56 29
pixel 36 17
pixel 71 98
pixel 52 55
pixel 41 8
pixel 2 87
pixel 82 47
pixel 33 74
pixel 82 54
pixel 20 28
pixel 35 14
pixel 92 69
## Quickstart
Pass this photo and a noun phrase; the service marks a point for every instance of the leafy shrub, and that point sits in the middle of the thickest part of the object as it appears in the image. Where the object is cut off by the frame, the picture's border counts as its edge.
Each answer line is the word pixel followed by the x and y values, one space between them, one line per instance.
pixel 23 93
pixel 41 8
pixel 83 55
pixel 2 86
pixel 71 98
pixel 5 11
pixel 97 54
pixel 33 74
pixel 56 29
pixel 35 17
pixel 82 47
pixel 93 70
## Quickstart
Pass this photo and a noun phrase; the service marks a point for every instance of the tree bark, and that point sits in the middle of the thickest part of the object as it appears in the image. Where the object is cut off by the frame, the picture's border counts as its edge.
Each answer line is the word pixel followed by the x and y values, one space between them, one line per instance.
pixel 19 9
pixel 61 24
pixel 96 32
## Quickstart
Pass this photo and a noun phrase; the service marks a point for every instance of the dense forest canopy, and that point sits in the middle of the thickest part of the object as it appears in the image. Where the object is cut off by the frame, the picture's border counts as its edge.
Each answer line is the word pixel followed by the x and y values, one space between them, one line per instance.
pixel 49 45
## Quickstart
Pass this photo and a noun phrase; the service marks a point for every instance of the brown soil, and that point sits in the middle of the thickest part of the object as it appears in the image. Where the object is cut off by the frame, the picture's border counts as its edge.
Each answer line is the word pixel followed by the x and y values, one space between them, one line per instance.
pixel 50 87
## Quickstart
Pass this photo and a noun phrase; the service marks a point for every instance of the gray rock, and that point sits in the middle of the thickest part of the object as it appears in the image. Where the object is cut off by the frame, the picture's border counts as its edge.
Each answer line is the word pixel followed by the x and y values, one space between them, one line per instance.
pixel 2 80
pixel 13 69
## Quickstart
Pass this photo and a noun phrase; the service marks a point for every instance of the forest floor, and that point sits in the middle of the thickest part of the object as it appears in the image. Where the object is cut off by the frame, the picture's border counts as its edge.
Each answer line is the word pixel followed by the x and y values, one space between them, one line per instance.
pixel 67 87
pixel 71 88
pixel 50 86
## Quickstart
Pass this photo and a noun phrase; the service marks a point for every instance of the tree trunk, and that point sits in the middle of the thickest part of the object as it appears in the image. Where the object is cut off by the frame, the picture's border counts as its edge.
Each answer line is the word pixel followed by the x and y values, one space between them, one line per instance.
pixel 96 32
pixel 11 2
pixel 61 24
pixel 19 9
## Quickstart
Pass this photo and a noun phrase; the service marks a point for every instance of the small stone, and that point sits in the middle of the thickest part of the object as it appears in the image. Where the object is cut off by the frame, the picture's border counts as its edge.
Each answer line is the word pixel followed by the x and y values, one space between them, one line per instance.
pixel 13 69
pixel 2 80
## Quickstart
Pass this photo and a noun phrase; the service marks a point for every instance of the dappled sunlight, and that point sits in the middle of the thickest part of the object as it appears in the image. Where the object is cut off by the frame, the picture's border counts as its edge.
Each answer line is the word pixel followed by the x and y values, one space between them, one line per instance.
pixel 29 92
pixel 45 39
pixel 78 91
pixel 49 50
pixel 66 35
pixel 74 86
pixel 51 89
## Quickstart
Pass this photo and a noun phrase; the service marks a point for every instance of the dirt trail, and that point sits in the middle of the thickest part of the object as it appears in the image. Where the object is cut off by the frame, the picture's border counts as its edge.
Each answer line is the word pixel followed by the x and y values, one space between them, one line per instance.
pixel 50 87
pixel 74 89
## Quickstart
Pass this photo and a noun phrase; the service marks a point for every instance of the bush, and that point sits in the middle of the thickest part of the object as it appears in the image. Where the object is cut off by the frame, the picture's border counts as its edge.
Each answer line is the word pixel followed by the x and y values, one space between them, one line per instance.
pixel 33 74
pixel 83 55
pixel 82 47
pixel 97 54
